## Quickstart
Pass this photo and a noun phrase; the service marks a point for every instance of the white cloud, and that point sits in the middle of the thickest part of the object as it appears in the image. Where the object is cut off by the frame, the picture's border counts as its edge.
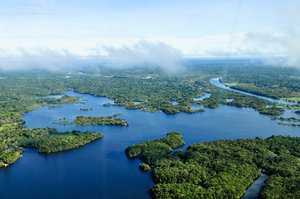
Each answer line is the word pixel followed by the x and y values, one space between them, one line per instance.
pixel 146 53
pixel 286 45
pixel 142 53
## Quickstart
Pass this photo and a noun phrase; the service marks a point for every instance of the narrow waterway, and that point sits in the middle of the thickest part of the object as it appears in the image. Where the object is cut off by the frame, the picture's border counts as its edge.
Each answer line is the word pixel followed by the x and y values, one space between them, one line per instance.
pixel 254 190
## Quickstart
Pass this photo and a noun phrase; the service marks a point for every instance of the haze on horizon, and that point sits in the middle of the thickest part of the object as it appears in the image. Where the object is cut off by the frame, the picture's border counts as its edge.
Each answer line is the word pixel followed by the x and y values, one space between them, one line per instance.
pixel 129 32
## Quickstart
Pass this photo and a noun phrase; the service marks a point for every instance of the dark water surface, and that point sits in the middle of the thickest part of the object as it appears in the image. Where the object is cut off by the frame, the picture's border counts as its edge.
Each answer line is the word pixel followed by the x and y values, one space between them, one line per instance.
pixel 254 190
pixel 101 169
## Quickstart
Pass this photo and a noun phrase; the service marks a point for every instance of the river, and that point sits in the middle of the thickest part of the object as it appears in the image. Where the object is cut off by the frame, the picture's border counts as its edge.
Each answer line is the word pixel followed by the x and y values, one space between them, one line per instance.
pixel 254 190
pixel 216 82
pixel 101 169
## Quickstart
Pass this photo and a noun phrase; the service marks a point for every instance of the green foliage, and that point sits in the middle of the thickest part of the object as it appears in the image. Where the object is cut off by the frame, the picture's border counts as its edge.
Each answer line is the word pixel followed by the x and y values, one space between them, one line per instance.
pixel 66 99
pixel 279 187
pixel 290 121
pixel 111 120
pixel 271 111
pixel 57 142
pixel 152 89
pixel 153 150
pixel 275 82
pixel 86 109
pixel 144 167
pixel 222 169
pixel 174 140
pixel 10 156
pixel 105 120
pixel 19 94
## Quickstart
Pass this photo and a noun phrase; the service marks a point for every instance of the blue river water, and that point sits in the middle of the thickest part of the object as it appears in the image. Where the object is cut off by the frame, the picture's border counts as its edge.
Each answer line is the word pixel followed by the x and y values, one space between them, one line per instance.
pixel 101 169
pixel 216 82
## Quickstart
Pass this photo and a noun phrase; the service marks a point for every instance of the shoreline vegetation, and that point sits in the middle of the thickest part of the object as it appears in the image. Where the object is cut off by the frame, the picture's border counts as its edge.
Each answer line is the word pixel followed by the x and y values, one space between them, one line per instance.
pixel 14 137
pixel 221 169
pixel 58 142
pixel 65 99
pixel 21 92
pixel 111 120
pixel 284 86
pixel 155 149
pixel 290 121
pixel 256 91
pixel 85 109
pixel 46 140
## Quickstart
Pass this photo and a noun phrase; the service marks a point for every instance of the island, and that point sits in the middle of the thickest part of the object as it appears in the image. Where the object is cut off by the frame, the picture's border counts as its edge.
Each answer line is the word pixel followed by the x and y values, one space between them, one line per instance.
pixel 111 120
pixel 85 109
pixel 46 140
pixel 56 142
pixel 66 99
pixel 57 103
pixel 150 151
pixel 290 121
pixel 221 169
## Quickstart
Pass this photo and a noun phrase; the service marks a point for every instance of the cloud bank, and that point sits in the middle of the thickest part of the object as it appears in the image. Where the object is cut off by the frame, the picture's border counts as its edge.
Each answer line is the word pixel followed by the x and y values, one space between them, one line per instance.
pixel 285 45
pixel 147 54
pixel 140 54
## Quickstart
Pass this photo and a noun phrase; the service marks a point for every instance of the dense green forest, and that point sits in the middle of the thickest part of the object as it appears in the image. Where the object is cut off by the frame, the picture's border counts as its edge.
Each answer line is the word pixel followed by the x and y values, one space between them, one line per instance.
pixel 152 90
pixel 278 82
pixel 111 120
pixel 145 89
pixel 150 151
pixel 47 140
pixel 19 95
pixel 56 142
pixel 221 169
pixel 65 99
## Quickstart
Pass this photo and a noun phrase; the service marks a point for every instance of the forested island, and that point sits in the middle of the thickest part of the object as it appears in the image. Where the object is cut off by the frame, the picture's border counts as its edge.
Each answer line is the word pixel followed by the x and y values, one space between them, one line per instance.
pixel 221 169
pixel 66 99
pixel 46 140
pixel 290 121
pixel 21 92
pixel 150 151
pixel 85 109
pixel 56 142
pixel 111 120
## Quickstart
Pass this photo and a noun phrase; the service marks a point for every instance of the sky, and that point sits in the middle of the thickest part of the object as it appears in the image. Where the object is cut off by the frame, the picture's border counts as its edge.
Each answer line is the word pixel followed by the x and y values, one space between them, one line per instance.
pixel 195 28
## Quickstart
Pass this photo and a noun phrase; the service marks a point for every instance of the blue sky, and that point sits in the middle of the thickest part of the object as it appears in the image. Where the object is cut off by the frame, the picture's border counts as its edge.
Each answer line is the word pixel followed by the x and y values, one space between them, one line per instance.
pixel 195 27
